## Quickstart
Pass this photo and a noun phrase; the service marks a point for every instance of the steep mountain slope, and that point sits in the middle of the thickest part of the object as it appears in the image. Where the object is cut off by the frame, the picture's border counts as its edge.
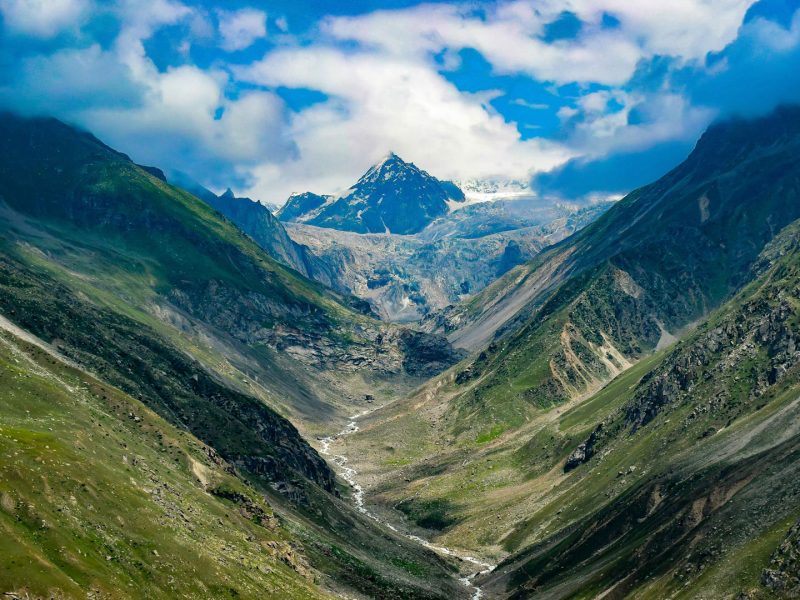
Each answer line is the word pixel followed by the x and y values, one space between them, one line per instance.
pixel 497 430
pixel 99 494
pixel 257 221
pixel 699 461
pixel 260 224
pixel 299 205
pixel 404 278
pixel 393 196
pixel 158 295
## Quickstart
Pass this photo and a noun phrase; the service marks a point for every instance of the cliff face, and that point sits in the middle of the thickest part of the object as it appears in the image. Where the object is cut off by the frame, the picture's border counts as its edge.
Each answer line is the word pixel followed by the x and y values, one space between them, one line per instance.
pixel 259 223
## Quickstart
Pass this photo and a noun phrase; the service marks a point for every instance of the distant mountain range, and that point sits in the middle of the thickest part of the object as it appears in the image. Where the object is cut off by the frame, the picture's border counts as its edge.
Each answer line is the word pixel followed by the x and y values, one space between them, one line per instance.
pixel 393 196
pixel 407 277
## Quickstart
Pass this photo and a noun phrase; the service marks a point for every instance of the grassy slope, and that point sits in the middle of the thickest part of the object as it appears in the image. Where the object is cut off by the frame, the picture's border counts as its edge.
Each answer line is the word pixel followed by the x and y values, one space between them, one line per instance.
pixel 714 482
pixel 99 493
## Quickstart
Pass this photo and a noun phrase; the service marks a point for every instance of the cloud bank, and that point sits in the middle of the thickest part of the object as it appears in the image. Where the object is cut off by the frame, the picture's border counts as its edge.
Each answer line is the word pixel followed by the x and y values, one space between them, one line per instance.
pixel 570 93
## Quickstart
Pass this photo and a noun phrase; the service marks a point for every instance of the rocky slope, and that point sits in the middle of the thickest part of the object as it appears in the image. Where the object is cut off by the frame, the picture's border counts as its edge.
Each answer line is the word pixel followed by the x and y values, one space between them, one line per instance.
pixel 299 206
pixel 406 278
pixel 257 221
pixel 393 196
pixel 506 214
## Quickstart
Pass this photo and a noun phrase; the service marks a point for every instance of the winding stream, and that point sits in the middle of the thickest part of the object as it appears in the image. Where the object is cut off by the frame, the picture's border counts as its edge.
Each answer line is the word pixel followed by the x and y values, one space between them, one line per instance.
pixel 349 475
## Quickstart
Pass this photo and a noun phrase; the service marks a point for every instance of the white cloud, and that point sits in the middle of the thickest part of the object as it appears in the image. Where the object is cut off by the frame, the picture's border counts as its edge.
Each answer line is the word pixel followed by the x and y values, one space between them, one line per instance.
pixel 380 103
pixel 239 29
pixel 43 18
pixel 176 118
pixel 662 117
pixel 509 36
pixel 390 95
pixel 772 36
pixel 383 85
pixel 532 105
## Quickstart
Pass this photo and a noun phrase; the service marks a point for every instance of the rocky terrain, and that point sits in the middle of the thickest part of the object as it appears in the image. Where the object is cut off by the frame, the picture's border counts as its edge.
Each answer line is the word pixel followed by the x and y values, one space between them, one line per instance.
pixel 407 278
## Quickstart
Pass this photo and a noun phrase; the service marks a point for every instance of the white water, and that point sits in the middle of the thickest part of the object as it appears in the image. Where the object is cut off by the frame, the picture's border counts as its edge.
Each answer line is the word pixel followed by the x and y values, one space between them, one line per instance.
pixel 349 475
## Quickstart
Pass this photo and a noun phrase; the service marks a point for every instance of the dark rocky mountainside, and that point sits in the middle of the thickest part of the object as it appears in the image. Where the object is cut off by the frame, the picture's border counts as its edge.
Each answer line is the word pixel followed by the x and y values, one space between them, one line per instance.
pixel 393 196
pixel 257 221
pixel 298 206
pixel 260 224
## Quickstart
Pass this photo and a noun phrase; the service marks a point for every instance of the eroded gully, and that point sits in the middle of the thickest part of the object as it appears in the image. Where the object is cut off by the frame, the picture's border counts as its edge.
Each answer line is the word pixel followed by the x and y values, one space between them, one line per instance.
pixel 349 475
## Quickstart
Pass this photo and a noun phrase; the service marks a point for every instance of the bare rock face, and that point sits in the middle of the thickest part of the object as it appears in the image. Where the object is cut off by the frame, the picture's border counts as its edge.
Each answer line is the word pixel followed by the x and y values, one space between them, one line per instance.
pixel 408 278
pixel 783 574
pixel 426 355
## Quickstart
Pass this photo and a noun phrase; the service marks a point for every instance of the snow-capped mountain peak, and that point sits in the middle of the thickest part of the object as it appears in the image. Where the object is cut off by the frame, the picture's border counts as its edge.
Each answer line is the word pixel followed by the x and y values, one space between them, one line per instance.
pixel 393 196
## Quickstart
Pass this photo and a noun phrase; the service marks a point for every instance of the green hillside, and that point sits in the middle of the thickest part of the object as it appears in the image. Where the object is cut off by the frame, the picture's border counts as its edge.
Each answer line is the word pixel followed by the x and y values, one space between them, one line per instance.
pixel 100 495
pixel 688 487
pixel 160 297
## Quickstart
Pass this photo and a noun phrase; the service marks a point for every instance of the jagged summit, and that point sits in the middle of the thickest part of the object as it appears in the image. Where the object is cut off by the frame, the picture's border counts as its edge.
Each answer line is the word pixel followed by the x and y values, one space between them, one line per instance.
pixel 393 196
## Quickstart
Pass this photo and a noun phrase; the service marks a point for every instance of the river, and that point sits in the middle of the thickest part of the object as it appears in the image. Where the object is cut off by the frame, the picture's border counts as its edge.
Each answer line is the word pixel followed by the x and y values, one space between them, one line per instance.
pixel 349 474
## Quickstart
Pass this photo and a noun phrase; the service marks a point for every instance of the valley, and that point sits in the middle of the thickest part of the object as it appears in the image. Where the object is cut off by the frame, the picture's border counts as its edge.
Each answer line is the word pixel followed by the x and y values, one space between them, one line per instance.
pixel 399 300
pixel 608 409
pixel 431 460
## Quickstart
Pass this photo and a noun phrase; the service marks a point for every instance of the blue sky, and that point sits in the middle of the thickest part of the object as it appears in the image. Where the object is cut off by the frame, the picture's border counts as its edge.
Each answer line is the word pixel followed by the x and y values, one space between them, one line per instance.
pixel 584 98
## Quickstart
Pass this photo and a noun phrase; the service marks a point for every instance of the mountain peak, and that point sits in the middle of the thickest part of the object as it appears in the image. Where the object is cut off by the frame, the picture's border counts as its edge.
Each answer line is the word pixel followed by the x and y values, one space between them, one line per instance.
pixel 390 165
pixel 391 157
pixel 393 196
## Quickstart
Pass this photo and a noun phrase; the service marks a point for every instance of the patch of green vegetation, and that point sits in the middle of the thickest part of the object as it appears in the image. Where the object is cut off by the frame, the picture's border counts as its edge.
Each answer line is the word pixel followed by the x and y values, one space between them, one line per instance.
pixel 98 493
pixel 490 435
pixel 429 514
